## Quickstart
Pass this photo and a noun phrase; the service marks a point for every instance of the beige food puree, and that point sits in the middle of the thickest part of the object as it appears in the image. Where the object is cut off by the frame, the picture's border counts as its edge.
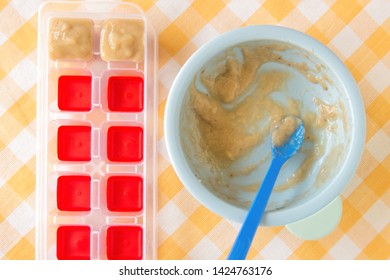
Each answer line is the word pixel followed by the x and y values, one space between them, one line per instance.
pixel 231 110
pixel 122 40
pixel 71 39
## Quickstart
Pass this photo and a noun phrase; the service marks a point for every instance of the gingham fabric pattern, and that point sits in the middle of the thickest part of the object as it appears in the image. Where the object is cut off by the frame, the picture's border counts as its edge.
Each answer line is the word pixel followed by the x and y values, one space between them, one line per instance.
pixel 357 31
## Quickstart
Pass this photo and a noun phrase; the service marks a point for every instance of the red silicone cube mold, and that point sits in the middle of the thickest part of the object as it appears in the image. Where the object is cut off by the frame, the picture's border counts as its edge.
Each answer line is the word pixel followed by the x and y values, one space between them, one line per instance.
pixel 74 143
pixel 124 243
pixel 73 243
pixel 125 143
pixel 74 93
pixel 124 193
pixel 125 94
pixel 74 193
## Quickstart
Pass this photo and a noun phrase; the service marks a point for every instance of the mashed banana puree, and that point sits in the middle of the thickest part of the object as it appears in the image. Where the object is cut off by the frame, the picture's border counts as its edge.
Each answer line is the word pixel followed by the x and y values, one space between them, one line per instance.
pixel 122 40
pixel 233 106
pixel 71 38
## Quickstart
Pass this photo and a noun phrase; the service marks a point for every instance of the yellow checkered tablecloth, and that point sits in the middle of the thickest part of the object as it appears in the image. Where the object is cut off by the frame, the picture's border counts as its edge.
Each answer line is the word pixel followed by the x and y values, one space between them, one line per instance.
pixel 357 31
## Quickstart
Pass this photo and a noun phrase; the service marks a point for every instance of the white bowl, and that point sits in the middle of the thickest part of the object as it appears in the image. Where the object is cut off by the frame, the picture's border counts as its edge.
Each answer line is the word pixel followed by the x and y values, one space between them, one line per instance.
pixel 299 206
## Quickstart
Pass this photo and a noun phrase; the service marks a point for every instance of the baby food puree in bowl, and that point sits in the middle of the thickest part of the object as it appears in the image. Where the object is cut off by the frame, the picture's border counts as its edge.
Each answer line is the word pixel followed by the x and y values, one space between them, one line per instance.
pixel 227 98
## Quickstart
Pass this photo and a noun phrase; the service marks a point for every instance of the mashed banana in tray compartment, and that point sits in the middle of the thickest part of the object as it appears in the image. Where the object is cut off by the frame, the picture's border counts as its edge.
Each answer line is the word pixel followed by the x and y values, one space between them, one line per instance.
pixel 235 100
pixel 71 39
pixel 122 40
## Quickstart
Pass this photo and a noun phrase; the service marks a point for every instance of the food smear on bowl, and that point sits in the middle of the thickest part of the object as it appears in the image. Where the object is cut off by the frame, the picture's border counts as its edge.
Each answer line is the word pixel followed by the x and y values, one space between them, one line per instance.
pixel 235 100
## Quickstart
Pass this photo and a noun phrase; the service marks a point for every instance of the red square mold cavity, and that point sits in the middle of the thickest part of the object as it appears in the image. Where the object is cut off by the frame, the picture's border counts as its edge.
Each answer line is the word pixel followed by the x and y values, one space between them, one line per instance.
pixel 74 193
pixel 73 242
pixel 124 193
pixel 74 93
pixel 74 143
pixel 124 243
pixel 125 94
pixel 125 143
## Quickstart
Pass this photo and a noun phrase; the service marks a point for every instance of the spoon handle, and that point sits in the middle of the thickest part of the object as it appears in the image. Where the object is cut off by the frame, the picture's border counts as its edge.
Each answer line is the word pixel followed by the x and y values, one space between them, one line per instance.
pixel 245 236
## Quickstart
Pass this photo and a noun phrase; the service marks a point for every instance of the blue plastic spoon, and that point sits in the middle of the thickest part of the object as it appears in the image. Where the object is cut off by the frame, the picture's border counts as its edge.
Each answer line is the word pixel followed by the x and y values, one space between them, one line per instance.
pixel 280 154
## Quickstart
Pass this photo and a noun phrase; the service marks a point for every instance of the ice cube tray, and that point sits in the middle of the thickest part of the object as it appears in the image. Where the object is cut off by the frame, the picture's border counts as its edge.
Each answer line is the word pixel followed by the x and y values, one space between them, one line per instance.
pixel 96 132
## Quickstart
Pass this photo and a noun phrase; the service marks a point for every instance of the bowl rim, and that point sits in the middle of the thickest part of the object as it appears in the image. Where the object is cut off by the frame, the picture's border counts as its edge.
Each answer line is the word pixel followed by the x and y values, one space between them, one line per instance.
pixel 246 34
